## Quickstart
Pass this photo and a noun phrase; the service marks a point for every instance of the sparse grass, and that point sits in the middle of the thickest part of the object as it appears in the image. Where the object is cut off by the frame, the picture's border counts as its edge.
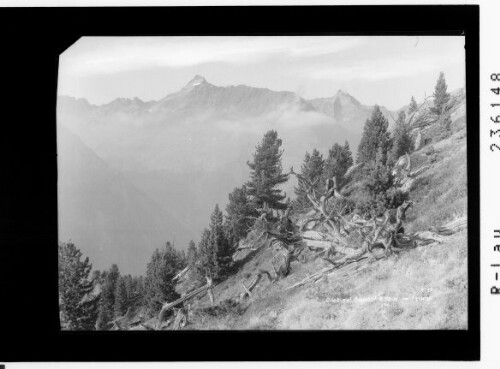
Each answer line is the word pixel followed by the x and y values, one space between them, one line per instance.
pixel 412 291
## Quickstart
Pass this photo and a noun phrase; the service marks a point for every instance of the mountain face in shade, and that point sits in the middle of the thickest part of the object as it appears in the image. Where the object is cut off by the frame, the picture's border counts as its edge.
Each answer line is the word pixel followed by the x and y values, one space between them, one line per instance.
pixel 176 158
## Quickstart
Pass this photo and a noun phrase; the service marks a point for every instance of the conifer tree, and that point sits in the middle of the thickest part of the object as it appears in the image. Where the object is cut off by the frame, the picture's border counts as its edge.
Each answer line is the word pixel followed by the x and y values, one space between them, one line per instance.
pixel 378 182
pixel 401 142
pixel 338 162
pixel 192 253
pixel 77 302
pixel 138 286
pixel 107 303
pixel 375 137
pixel 267 173
pixel 158 285
pixel 129 286
pixel 219 242
pixel 413 106
pixel 240 216
pixel 312 169
pixel 206 265
pixel 120 298
pixel 441 96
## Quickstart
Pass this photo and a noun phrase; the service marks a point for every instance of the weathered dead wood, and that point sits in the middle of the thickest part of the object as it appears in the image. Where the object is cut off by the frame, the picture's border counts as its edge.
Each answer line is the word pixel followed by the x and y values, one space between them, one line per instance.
pixel 147 326
pixel 312 277
pixel 180 320
pixel 181 273
pixel 350 268
pixel 354 168
pixel 451 227
pixel 248 290
pixel 167 306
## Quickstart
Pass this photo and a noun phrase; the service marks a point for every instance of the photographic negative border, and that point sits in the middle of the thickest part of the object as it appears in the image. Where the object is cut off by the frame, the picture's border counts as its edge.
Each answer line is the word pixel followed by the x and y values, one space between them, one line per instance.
pixel 33 39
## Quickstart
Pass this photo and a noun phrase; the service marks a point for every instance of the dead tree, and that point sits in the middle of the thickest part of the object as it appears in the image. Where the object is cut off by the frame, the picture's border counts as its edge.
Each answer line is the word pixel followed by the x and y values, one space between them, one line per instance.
pixel 339 227
pixel 169 305
pixel 247 290
pixel 180 319
pixel 402 170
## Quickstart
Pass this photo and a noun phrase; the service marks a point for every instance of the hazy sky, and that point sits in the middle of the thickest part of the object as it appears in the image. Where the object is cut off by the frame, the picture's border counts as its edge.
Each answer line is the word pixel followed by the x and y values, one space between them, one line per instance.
pixel 376 70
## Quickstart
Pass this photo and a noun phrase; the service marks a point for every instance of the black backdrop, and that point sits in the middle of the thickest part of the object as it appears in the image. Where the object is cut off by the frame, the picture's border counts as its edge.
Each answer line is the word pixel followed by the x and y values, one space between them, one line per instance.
pixel 32 39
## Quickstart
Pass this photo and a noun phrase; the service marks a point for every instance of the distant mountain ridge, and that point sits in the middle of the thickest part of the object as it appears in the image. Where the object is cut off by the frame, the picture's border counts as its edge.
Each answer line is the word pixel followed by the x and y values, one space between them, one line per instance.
pixel 199 96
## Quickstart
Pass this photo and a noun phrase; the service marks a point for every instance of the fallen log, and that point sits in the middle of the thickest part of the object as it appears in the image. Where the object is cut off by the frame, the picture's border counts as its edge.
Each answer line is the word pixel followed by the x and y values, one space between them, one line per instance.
pixel 311 277
pixel 451 227
pixel 167 306
pixel 318 275
pixel 317 244
pixel 181 273
pixel 248 290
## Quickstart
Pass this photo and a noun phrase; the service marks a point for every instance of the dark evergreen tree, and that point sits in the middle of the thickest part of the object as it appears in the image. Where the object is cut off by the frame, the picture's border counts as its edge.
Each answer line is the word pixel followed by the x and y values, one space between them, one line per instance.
pixel 401 141
pixel 240 216
pixel 121 299
pixel 158 285
pixel 379 180
pixel 375 137
pixel 413 106
pixel 206 265
pixel 220 242
pixel 312 169
pixel 338 161
pixel 183 258
pixel 107 303
pixel 441 96
pixel 267 173
pixel 138 287
pixel 129 286
pixel 96 277
pixel 78 305
pixel 192 253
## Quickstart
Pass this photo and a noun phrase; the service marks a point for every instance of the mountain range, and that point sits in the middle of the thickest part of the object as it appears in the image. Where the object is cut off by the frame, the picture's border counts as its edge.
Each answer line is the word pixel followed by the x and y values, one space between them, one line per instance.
pixel 134 174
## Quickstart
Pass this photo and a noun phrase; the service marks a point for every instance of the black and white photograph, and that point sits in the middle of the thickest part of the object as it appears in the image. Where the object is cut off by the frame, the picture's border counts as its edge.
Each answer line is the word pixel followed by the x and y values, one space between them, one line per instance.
pixel 263 183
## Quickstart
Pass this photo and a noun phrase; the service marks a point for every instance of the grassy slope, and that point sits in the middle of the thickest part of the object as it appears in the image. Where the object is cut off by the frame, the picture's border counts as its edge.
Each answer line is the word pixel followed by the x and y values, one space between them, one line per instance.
pixel 424 288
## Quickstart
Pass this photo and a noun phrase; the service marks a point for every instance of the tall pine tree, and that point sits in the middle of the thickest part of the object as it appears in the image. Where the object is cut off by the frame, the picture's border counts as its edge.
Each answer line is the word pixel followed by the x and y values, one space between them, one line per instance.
pixel 338 161
pixel 375 137
pixel 207 265
pixel 158 285
pixel 192 253
pixel 107 303
pixel 441 96
pixel 401 142
pixel 312 169
pixel 241 214
pixel 219 242
pixel 121 299
pixel 267 173
pixel 77 303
